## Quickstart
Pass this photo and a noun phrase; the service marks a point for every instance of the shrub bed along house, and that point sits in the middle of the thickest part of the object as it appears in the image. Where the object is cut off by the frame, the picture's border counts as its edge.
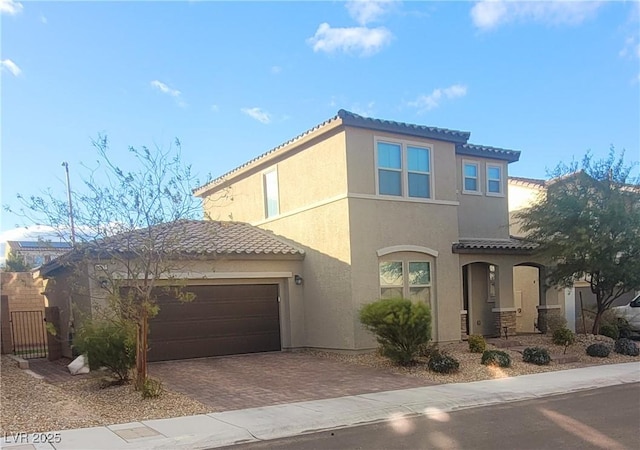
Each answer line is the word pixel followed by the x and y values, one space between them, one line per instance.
pixel 609 330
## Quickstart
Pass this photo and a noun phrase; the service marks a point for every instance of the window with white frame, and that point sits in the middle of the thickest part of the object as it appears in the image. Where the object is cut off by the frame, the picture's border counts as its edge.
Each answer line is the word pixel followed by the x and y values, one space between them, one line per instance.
pixel 470 177
pixel 271 202
pixel 404 170
pixel 494 179
pixel 408 279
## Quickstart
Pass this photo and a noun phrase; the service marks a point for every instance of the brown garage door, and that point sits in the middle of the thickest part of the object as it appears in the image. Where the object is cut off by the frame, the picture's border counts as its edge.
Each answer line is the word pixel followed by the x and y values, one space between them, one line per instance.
pixel 222 320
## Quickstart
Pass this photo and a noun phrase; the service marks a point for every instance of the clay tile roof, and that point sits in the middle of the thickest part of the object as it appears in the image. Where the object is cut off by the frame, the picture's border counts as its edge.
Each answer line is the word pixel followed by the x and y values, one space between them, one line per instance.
pixel 205 237
pixel 511 245
pixel 443 134
pixel 488 152
pixel 528 182
pixel 186 239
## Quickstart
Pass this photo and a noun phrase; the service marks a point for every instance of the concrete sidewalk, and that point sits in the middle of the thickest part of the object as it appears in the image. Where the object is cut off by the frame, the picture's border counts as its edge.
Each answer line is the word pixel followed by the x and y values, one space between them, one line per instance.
pixel 271 422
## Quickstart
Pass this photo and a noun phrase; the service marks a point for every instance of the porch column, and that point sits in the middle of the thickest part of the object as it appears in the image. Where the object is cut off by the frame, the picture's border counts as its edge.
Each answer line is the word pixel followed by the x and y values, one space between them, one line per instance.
pixel 504 312
pixel 550 304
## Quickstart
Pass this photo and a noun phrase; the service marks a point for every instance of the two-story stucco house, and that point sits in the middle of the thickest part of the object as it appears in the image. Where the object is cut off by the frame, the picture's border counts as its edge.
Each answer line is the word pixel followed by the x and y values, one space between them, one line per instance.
pixel 384 209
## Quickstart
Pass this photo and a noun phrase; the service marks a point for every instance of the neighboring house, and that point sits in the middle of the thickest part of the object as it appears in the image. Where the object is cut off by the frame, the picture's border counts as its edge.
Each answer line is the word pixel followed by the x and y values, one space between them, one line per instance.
pixel 385 209
pixel 244 279
pixel 36 253
pixel 524 192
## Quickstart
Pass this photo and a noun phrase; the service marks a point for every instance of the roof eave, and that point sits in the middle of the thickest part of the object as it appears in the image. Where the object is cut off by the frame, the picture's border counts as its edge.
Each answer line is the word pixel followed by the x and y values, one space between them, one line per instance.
pixel 456 137
pixel 490 152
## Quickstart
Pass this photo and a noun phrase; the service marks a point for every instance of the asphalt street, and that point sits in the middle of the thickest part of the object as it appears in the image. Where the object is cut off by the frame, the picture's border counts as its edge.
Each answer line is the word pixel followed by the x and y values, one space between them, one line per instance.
pixel 605 418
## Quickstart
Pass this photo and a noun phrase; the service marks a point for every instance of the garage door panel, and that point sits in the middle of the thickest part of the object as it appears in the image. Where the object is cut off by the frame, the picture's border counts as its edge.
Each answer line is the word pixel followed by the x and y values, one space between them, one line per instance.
pixel 221 346
pixel 197 309
pixel 221 320
pixel 216 327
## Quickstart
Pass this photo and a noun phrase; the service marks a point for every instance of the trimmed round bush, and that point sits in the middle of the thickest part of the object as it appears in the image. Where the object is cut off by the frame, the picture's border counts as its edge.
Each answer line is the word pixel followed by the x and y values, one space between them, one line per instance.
pixel 477 344
pixel 563 336
pixel 598 350
pixel 536 355
pixel 626 346
pixel 496 358
pixel 609 330
pixel 441 362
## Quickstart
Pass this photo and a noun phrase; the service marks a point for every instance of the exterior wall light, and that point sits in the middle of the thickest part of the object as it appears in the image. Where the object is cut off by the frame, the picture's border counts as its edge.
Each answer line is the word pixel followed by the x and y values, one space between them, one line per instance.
pixel 298 280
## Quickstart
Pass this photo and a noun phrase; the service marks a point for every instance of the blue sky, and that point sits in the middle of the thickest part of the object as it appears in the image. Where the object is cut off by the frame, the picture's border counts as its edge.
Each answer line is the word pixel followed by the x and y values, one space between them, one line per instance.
pixel 234 79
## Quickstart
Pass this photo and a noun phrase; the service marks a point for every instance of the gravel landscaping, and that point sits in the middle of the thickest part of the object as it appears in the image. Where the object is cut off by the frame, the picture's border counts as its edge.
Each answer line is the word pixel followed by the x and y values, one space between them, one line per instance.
pixel 30 404
pixel 33 405
pixel 472 370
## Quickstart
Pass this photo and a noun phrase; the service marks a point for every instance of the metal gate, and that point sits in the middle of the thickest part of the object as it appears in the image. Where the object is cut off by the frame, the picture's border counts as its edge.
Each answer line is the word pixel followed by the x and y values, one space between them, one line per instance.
pixel 28 334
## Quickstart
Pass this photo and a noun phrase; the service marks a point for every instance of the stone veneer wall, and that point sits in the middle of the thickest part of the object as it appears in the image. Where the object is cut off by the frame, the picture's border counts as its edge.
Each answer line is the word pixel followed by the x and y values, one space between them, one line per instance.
pixel 463 325
pixel 505 319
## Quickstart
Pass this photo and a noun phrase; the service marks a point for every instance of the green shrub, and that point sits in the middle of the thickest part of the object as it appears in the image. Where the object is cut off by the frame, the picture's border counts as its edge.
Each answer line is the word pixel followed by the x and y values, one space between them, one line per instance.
pixel 441 362
pixel 536 355
pixel 477 344
pixel 564 337
pixel 496 358
pixel 609 330
pixel 400 326
pixel 152 388
pixel 599 350
pixel 626 346
pixel 624 328
pixel 110 344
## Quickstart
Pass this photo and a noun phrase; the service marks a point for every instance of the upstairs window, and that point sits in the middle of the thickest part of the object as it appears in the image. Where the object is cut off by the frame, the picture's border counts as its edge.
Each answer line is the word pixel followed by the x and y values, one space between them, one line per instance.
pixel 404 170
pixel 419 172
pixel 494 179
pixel 470 177
pixel 390 168
pixel 271 203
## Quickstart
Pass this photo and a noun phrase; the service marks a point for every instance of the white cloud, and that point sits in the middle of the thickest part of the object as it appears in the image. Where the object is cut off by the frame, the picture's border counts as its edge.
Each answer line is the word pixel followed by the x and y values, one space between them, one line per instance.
pixel 366 11
pixel 362 40
pixel 159 85
pixel 631 47
pixel 433 100
pixel 10 7
pixel 488 14
pixel 366 110
pixel 258 114
pixel 12 67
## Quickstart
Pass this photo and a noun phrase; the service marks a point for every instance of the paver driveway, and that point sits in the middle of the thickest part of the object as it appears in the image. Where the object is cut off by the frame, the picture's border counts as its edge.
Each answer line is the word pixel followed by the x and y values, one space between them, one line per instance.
pixel 248 381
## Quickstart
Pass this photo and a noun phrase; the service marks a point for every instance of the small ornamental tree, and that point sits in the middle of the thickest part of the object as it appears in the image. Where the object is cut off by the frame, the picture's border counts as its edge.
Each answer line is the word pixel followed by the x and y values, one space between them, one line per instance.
pixel 128 223
pixel 587 226
pixel 401 327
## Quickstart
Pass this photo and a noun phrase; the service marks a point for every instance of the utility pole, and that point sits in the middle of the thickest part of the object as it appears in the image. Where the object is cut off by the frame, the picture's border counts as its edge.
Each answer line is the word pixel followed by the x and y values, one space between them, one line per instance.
pixel 73 230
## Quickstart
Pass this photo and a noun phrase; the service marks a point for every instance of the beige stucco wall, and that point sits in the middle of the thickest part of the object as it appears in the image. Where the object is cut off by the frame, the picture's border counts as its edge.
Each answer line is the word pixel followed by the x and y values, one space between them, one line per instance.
pixel 362 165
pixel 482 216
pixel 312 173
pixel 377 224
